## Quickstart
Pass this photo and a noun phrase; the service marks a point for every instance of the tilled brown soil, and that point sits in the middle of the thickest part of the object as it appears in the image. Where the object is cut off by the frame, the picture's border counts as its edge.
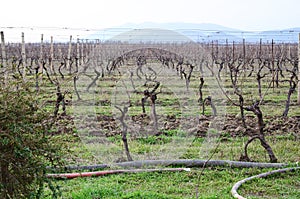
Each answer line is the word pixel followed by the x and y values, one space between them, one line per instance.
pixel 141 125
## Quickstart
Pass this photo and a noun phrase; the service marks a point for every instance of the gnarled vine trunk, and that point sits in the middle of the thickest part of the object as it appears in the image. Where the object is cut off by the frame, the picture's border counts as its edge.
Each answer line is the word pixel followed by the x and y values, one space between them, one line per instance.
pixel 261 136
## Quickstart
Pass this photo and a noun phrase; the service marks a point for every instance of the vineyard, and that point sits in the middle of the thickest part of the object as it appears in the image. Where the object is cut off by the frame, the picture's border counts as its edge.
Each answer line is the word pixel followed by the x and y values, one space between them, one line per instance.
pixel 122 102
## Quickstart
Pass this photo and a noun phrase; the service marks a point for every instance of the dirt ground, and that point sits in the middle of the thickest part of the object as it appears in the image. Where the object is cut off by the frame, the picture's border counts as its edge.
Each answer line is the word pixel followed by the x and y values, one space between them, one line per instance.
pixel 232 125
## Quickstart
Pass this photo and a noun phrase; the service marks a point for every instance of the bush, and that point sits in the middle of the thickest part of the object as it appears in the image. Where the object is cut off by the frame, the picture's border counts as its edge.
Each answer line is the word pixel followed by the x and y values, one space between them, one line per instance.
pixel 25 143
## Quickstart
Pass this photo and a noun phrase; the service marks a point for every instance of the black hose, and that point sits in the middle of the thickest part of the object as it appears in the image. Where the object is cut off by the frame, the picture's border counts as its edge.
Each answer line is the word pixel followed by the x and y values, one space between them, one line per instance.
pixel 180 162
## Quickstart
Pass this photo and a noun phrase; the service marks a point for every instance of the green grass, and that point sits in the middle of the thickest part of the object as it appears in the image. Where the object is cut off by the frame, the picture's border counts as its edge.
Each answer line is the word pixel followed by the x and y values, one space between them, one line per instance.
pixel 189 147
pixel 212 183
pixel 277 186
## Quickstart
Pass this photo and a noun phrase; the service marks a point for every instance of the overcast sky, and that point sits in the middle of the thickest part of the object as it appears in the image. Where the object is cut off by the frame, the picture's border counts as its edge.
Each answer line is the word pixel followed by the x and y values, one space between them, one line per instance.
pixel 239 14
pixel 246 15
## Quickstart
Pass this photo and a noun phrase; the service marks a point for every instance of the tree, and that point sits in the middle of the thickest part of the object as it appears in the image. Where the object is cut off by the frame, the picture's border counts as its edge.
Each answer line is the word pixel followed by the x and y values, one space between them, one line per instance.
pixel 26 144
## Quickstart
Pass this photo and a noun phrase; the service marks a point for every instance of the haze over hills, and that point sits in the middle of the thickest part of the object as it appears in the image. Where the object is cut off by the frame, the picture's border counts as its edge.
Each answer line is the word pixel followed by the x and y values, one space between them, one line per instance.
pixel 202 32
pixel 153 32
pixel 178 26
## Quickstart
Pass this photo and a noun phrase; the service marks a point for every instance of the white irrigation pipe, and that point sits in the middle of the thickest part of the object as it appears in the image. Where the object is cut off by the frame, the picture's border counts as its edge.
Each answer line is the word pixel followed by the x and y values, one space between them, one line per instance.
pixel 262 175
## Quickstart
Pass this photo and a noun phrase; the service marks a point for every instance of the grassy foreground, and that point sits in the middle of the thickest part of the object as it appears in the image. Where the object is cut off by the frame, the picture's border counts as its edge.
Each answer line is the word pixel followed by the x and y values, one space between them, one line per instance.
pixel 213 183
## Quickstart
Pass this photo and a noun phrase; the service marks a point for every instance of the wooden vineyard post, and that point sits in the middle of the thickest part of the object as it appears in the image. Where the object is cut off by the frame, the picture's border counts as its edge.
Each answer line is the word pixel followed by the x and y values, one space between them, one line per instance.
pixel 233 50
pixel 244 56
pixel 23 56
pixel 212 56
pixel 226 57
pixel 77 53
pixel 41 55
pixel 51 55
pixel 212 48
pixel 3 54
pixel 217 50
pixel 260 47
pixel 298 98
pixel 289 55
pixel 81 51
pixel 244 51
pixel 272 62
pixel 69 55
pixel 39 70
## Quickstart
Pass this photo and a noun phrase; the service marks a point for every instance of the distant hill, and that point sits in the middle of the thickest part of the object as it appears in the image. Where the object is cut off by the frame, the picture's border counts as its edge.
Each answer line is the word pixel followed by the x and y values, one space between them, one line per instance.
pixel 202 32
pixel 151 34
pixel 194 32
pixel 179 26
